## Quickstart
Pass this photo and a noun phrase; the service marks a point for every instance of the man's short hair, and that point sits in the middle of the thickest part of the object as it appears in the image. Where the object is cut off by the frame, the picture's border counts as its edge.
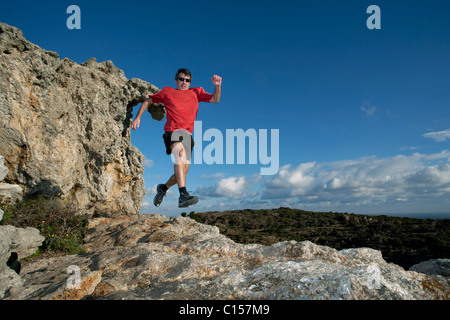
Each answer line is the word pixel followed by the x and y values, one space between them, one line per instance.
pixel 185 71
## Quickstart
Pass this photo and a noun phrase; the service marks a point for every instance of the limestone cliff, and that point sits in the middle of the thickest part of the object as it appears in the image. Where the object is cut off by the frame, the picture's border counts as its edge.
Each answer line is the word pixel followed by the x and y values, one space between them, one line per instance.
pixel 65 127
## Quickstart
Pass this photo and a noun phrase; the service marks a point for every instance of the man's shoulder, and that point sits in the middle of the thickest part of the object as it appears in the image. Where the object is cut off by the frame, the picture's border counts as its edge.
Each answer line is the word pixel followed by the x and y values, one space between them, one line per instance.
pixel 197 89
pixel 163 90
pixel 167 91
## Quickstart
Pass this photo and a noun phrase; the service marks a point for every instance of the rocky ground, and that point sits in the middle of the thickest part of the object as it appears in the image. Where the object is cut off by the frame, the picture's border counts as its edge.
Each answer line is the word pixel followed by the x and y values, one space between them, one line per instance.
pixel 157 257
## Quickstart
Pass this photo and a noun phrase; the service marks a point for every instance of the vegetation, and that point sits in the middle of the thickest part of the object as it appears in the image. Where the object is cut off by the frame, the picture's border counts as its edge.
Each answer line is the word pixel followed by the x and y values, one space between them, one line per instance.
pixel 56 220
pixel 403 241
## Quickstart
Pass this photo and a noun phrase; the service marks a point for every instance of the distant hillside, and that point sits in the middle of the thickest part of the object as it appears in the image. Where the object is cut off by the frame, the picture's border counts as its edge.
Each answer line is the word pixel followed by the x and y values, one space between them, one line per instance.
pixel 403 241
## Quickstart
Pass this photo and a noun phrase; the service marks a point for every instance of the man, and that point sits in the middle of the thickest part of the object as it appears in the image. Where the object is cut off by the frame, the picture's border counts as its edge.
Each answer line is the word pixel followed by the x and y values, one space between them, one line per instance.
pixel 181 111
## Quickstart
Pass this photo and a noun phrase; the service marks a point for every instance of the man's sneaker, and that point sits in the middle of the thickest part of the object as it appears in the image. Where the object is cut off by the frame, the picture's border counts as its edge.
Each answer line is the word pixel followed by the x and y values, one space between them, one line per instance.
pixel 186 200
pixel 159 195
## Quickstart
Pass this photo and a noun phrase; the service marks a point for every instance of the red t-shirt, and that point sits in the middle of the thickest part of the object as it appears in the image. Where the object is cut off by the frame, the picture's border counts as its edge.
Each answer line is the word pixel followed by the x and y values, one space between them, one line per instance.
pixel 181 106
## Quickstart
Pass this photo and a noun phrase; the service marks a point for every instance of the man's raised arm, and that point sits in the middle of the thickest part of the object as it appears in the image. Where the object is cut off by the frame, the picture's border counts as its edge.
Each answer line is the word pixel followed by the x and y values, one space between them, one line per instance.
pixel 217 82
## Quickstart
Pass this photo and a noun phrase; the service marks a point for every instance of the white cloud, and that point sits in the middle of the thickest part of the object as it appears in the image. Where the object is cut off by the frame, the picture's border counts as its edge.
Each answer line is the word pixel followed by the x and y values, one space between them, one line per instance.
pixel 233 187
pixel 433 176
pixel 151 190
pixel 336 183
pixel 297 179
pixel 368 109
pixel 363 181
pixel 148 163
pixel 146 204
pixel 403 183
pixel 439 136
pixel 409 148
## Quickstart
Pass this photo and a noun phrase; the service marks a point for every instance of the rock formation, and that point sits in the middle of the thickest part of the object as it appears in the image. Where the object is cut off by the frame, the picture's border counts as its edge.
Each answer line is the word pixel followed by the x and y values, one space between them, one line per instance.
pixel 157 257
pixel 65 127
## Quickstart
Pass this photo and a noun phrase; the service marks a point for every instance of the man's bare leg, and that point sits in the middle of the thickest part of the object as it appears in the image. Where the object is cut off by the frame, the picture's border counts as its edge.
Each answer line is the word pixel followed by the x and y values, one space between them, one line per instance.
pixel 181 167
pixel 173 179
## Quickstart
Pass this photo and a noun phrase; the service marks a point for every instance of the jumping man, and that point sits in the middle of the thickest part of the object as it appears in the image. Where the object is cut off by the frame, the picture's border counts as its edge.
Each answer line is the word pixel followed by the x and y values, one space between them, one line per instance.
pixel 181 109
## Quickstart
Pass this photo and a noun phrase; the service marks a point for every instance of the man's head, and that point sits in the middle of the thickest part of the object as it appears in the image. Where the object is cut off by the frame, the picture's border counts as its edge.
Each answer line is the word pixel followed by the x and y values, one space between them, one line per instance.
pixel 183 79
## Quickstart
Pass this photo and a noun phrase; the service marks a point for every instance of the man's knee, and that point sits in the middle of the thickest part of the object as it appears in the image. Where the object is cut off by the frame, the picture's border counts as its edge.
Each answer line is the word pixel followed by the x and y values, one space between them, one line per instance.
pixel 179 153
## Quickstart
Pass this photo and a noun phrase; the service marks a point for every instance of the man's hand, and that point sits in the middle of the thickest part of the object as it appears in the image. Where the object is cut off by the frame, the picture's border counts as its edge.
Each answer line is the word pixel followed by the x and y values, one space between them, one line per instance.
pixel 136 124
pixel 137 120
pixel 216 80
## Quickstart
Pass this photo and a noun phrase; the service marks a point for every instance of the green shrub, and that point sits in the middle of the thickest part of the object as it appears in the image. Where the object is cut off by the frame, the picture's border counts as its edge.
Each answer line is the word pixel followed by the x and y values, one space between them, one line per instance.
pixel 55 218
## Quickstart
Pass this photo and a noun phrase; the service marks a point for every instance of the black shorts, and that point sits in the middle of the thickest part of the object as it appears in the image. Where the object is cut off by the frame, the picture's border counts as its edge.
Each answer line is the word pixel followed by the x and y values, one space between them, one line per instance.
pixel 171 137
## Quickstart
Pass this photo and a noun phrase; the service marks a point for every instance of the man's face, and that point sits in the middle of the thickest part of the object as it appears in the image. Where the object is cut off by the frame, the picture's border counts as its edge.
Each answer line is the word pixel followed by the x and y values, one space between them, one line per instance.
pixel 182 82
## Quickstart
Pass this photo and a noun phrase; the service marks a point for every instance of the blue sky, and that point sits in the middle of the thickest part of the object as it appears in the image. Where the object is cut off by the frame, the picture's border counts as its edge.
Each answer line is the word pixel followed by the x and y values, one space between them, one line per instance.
pixel 363 115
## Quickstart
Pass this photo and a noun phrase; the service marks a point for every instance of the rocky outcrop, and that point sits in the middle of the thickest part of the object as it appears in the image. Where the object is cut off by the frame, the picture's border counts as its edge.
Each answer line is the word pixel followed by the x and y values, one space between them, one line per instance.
pixel 65 127
pixel 433 267
pixel 156 257
pixel 15 244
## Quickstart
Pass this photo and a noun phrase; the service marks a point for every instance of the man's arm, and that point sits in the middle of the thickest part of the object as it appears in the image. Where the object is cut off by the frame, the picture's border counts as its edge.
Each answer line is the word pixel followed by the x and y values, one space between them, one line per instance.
pixel 137 120
pixel 217 82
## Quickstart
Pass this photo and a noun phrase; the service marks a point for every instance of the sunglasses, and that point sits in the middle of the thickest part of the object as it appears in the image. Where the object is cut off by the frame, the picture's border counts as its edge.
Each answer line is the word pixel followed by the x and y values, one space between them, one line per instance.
pixel 184 79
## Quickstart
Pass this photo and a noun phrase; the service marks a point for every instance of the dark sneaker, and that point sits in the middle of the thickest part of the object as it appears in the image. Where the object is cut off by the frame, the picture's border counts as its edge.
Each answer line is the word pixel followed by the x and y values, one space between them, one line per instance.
pixel 159 195
pixel 186 200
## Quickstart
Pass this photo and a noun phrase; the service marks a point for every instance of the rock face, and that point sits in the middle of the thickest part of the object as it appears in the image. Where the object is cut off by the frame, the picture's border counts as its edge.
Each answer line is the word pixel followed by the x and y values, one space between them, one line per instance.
pixel 156 257
pixel 65 127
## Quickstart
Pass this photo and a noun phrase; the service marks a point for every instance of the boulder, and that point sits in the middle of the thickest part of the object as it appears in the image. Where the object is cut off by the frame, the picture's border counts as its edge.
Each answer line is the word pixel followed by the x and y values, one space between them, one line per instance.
pixel 10 193
pixel 20 242
pixel 65 127
pixel 433 267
